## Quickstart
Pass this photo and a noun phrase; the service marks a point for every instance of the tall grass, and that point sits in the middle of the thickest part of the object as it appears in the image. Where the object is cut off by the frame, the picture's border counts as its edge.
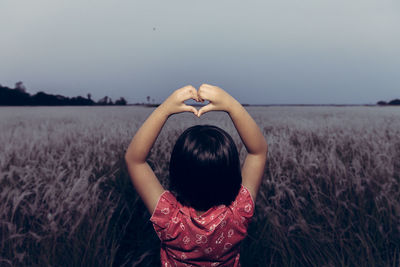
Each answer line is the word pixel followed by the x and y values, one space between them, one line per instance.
pixel 330 196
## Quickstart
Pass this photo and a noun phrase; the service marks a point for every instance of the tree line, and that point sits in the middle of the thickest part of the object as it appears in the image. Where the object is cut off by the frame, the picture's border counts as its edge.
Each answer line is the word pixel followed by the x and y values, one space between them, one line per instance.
pixel 394 102
pixel 19 97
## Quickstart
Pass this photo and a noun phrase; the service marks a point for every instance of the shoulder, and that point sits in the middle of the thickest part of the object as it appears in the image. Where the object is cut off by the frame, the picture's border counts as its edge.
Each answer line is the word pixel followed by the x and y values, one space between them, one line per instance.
pixel 244 203
pixel 165 208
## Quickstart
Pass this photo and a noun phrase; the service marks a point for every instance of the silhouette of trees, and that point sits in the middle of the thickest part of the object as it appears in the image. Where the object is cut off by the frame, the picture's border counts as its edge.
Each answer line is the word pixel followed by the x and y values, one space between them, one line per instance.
pixel 14 97
pixel 122 101
pixel 20 87
pixel 394 102
pixel 19 97
pixel 102 101
pixel 105 101
pixel 81 101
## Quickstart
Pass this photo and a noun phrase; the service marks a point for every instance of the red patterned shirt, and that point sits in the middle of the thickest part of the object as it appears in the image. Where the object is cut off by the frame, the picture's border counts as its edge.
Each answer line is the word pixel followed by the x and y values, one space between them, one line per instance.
pixel 210 239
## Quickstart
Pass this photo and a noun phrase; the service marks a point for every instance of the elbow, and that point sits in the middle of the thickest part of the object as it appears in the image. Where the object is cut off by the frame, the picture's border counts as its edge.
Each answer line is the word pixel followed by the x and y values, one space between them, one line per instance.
pixel 266 147
pixel 261 152
pixel 131 158
pixel 264 150
pixel 127 158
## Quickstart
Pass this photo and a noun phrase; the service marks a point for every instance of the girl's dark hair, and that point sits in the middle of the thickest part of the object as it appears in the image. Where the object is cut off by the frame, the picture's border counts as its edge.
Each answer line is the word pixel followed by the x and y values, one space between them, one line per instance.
pixel 204 168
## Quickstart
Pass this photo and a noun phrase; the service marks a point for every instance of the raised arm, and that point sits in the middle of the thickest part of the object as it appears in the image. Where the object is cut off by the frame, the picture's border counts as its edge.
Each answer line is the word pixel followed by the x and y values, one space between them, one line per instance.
pixel 142 176
pixel 249 132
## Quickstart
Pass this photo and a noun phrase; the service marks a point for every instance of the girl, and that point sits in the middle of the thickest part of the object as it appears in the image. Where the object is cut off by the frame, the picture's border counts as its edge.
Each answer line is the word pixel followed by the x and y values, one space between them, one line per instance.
pixel 204 219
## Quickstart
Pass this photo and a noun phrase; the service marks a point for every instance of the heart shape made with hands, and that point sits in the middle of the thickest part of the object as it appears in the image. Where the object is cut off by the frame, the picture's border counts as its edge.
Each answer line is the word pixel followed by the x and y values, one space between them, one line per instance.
pixel 201 106
pixel 199 101
pixel 197 105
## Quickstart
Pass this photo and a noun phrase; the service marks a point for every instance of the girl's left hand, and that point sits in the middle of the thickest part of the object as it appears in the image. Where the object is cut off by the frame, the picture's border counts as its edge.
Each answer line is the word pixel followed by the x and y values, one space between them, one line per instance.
pixel 175 102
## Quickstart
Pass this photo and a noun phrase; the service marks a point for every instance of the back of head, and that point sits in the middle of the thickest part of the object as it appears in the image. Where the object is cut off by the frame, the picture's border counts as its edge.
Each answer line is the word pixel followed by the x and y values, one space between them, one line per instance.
pixel 205 168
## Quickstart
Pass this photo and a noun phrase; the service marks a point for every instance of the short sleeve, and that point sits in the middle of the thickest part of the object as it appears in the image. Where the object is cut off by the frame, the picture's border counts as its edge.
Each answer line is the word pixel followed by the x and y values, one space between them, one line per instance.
pixel 162 215
pixel 244 204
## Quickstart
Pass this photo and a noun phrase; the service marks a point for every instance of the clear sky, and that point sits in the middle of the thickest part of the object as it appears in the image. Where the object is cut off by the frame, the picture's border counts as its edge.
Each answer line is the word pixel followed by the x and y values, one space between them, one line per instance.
pixel 262 52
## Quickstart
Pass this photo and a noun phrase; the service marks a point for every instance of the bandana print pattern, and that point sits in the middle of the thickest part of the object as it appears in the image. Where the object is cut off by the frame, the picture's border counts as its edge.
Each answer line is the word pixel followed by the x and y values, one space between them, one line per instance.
pixel 215 235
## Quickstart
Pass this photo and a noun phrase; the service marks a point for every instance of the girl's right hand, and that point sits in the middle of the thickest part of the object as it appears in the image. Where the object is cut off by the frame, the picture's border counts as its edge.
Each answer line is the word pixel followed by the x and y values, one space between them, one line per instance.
pixel 218 98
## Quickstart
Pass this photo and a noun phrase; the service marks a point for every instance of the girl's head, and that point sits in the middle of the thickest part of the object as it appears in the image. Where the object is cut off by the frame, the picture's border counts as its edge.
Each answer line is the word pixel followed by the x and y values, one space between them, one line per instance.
pixel 205 168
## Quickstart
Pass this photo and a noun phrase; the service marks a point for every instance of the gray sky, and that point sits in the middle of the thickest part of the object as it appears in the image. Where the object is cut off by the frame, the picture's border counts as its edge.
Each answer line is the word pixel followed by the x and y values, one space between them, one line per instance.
pixel 262 52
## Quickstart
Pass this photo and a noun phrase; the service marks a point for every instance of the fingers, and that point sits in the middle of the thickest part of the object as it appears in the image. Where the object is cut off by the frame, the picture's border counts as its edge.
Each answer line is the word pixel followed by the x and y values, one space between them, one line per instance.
pixel 206 85
pixel 206 92
pixel 194 95
pixel 190 109
pixel 202 94
pixel 190 93
pixel 190 87
pixel 205 109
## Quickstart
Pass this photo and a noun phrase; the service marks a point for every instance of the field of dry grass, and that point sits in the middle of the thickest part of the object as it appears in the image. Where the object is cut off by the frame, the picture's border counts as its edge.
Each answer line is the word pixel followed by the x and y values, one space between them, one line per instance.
pixel 330 197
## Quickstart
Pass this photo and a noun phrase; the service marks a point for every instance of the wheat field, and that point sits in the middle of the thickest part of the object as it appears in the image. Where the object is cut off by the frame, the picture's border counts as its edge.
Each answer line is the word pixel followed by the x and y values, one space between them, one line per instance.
pixel 330 195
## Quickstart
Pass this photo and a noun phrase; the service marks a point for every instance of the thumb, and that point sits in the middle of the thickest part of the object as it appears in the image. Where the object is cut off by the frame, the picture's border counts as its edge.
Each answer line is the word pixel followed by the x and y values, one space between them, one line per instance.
pixel 205 109
pixel 190 109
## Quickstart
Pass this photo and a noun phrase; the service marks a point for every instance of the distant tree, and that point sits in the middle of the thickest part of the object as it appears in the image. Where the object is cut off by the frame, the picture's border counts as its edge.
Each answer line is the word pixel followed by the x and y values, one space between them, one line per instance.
pixel 43 99
pixel 18 96
pixel 62 100
pixel 381 103
pixel 13 97
pixel 148 99
pixel 103 101
pixel 20 87
pixel 80 101
pixel 122 101
pixel 394 102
